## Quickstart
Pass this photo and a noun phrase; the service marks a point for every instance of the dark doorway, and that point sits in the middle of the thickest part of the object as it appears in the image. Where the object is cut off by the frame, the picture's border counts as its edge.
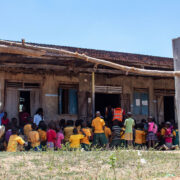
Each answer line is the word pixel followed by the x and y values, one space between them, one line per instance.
pixel 24 100
pixel 169 113
pixel 103 100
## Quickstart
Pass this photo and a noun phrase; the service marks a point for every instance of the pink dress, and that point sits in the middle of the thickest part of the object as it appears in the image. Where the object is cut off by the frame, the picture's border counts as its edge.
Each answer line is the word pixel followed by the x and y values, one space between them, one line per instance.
pixel 59 139
pixel 150 126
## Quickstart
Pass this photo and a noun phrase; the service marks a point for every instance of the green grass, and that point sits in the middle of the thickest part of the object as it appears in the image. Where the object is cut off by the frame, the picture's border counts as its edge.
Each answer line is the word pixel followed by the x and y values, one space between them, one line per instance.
pixel 118 164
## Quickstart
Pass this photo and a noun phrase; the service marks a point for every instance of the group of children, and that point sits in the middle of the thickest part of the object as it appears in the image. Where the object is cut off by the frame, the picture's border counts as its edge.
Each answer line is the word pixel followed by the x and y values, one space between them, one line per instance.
pixel 81 134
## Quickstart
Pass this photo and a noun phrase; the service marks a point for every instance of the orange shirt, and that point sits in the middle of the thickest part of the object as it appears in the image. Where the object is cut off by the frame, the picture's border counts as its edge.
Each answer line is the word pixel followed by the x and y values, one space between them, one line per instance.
pixel 107 132
pixel 27 129
pixel 139 136
pixel 14 140
pixel 98 125
pixel 42 135
pixel 33 137
pixel 163 131
pixel 87 133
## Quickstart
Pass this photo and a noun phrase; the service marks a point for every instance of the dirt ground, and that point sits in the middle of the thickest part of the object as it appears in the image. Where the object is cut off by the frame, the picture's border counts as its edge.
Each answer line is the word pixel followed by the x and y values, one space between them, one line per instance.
pixel 118 164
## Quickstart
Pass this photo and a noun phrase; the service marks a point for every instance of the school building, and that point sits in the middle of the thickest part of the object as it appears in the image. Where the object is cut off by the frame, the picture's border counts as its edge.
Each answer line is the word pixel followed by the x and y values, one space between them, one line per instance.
pixel 62 85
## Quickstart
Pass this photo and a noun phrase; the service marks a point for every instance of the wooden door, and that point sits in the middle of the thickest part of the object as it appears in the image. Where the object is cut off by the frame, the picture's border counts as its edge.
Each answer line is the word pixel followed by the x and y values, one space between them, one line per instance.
pixel 35 101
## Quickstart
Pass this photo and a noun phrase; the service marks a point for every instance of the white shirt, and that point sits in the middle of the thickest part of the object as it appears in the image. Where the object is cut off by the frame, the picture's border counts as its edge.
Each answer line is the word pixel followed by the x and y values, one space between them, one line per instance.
pixel 37 119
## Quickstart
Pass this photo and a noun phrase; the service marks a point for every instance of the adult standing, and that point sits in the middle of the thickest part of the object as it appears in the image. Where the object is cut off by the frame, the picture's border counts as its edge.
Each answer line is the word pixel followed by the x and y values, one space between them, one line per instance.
pixel 129 124
pixel 118 114
pixel 98 126
pixel 38 116
pixel 23 117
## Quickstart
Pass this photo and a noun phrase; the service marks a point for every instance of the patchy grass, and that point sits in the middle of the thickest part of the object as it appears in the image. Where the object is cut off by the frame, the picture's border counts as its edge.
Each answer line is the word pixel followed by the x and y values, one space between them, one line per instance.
pixel 118 164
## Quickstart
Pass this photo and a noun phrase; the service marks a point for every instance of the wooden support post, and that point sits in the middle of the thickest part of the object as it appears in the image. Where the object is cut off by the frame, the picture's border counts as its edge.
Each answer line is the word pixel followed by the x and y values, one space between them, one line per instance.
pixel 93 94
pixel 176 55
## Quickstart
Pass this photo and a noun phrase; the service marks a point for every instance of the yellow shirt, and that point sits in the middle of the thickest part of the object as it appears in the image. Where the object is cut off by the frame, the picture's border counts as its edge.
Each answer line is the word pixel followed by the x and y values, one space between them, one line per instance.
pixel 87 132
pixel 33 137
pixel 75 140
pixel 122 133
pixel 139 136
pixel 42 135
pixel 163 131
pixel 14 140
pixel 107 132
pixel 68 131
pixel 98 124
pixel 174 133
pixel 27 129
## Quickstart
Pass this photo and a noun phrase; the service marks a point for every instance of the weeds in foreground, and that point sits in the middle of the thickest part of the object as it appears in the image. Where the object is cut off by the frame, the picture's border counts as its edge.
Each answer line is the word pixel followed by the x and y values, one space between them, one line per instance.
pixel 112 162
pixel 64 164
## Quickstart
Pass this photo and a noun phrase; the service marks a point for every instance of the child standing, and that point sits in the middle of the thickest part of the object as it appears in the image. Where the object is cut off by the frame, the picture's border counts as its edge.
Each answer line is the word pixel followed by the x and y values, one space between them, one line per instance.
pixel 116 131
pixel 14 140
pixel 129 124
pixel 59 138
pixel 33 138
pixel 151 136
pixel 98 125
pixel 75 139
pixel 139 133
pixel 51 136
pixel 85 144
pixel 42 134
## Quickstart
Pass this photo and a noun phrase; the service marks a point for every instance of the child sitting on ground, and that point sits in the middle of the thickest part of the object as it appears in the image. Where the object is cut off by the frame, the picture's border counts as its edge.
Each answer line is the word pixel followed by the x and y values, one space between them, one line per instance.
pixel 68 130
pixel 107 132
pixel 78 125
pixel 33 138
pixel 168 138
pixel 14 140
pixel 59 138
pixel 51 136
pixel 85 144
pixel 8 133
pixel 75 139
pixel 28 127
pixel 91 131
pixel 42 134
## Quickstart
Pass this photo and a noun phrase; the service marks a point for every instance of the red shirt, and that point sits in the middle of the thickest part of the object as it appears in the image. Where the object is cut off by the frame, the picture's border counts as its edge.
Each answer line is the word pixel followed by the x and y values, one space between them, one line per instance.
pixel 5 122
pixel 23 118
pixel 51 136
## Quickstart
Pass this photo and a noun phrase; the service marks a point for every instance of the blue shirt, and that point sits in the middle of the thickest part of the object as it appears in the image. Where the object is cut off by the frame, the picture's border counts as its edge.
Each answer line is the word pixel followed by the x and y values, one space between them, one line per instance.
pixel 1 116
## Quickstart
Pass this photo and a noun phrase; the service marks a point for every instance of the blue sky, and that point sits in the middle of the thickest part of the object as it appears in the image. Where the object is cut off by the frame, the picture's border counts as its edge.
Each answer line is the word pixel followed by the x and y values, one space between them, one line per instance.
pixel 134 26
